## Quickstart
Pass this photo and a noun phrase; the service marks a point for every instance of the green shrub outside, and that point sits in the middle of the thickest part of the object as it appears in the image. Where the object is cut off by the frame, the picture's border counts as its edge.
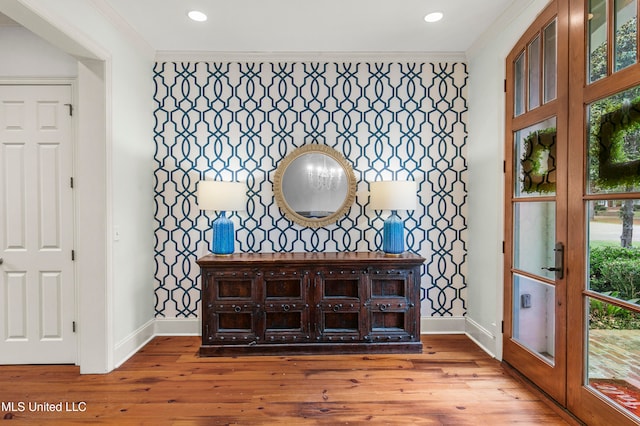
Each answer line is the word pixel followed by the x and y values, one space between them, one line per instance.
pixel 614 271
pixel 623 276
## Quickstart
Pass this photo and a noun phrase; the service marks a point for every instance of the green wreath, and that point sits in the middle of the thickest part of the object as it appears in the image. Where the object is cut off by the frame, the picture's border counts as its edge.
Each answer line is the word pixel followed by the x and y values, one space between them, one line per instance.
pixel 538 162
pixel 613 170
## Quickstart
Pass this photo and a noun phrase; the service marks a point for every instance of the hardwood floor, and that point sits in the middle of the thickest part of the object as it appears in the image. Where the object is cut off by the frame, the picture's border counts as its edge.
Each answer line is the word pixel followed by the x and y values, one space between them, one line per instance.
pixel 452 382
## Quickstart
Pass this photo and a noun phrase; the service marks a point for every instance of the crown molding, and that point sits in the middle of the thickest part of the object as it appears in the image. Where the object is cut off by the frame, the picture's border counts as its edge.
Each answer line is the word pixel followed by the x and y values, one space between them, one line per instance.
pixel 198 56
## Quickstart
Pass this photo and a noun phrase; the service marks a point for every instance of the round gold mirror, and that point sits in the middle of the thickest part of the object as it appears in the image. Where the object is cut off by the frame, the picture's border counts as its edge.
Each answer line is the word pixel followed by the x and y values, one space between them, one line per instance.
pixel 314 186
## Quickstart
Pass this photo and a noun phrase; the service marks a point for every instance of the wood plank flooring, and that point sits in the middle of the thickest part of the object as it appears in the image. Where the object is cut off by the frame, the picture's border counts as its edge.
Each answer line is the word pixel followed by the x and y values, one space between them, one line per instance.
pixel 452 382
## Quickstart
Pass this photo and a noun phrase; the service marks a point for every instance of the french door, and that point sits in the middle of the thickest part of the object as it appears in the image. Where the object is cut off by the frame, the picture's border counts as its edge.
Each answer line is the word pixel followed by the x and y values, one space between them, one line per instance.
pixel 535 203
pixel 603 375
pixel 572 203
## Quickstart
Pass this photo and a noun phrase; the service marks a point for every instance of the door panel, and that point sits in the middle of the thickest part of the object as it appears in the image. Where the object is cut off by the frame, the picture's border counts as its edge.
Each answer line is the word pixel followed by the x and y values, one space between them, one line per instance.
pixel 37 290
pixel 534 339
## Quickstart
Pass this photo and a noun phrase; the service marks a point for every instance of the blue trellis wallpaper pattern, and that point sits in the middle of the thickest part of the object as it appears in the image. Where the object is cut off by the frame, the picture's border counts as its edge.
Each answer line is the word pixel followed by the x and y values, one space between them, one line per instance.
pixel 237 120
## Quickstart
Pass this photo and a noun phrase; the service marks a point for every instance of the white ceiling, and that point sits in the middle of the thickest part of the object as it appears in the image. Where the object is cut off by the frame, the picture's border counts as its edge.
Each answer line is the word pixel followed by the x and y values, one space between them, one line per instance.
pixel 309 25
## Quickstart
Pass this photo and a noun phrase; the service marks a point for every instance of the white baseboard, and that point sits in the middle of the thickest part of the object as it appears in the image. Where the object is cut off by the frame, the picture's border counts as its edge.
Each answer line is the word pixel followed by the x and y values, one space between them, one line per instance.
pixel 481 336
pixel 155 327
pixel 178 327
pixel 442 325
pixel 133 343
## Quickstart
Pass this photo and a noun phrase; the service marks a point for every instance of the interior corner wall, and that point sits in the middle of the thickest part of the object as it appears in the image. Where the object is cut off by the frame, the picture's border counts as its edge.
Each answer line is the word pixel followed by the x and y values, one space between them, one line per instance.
pixel 238 120
pixel 485 154
pixel 132 227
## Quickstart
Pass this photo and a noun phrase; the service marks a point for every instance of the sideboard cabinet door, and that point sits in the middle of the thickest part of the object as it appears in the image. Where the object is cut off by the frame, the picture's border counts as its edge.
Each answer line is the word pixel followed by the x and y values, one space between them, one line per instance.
pixel 392 306
pixel 286 307
pixel 340 311
pixel 233 306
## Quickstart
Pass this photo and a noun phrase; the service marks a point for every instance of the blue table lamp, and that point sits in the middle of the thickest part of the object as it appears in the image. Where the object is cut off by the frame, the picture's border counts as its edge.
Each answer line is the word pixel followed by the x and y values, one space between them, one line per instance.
pixel 222 197
pixel 393 195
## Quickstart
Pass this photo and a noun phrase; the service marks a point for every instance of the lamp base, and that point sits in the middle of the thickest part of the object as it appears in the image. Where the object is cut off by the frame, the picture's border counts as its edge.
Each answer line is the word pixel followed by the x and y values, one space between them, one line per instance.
pixel 393 235
pixel 393 254
pixel 223 240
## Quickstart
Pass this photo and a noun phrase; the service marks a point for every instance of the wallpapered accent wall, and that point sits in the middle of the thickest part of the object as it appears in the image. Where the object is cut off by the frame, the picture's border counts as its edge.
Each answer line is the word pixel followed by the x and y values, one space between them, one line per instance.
pixel 237 121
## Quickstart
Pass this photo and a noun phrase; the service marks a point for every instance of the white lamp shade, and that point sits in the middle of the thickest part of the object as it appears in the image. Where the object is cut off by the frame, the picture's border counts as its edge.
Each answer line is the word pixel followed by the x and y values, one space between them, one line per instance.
pixel 222 196
pixel 393 195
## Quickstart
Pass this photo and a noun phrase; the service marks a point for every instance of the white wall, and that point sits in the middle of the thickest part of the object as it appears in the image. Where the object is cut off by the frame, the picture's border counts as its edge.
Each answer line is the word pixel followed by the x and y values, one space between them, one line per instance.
pixel 486 61
pixel 25 55
pixel 81 29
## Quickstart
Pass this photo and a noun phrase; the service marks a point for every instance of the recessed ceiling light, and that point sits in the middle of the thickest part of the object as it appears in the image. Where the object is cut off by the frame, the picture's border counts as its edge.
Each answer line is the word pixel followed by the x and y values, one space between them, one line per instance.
pixel 197 16
pixel 434 17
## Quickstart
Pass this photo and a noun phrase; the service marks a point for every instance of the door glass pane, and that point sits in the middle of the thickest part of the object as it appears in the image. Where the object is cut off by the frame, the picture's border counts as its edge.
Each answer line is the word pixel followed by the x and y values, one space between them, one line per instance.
pixel 597 40
pixel 534 235
pixel 613 354
pixel 535 160
pixel 534 73
pixel 613 345
pixel 550 62
pixel 534 316
pixel 519 80
pixel 626 31
pixel 614 143
pixel 614 248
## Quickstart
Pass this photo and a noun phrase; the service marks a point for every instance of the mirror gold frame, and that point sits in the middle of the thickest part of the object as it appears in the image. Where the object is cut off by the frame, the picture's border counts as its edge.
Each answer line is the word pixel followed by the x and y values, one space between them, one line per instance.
pixel 334 206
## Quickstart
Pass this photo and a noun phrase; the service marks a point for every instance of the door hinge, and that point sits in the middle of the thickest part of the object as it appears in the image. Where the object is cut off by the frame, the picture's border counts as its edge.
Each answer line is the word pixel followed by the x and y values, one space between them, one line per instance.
pixel 73 326
pixel 503 247
pixel 70 109
pixel 502 327
pixel 504 167
pixel 73 255
pixel 505 85
pixel 71 181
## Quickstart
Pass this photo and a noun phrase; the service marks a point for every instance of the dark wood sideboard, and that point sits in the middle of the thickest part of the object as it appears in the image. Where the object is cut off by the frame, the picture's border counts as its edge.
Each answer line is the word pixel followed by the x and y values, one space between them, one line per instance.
pixel 307 303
